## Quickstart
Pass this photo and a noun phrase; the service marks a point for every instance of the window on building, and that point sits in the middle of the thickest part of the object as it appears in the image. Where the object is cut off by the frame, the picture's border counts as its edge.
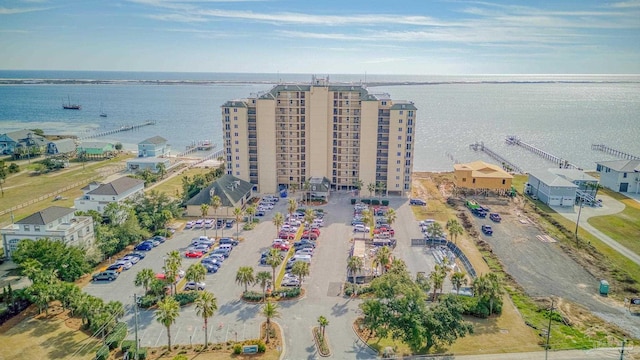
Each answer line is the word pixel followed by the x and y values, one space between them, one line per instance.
pixel 235 126
pixel 464 179
pixel 235 118
pixel 400 121
pixel 384 103
pixel 236 142
pixel 237 165
pixel 400 129
pixel 238 158
pixel 399 154
pixel 474 181
pixel 401 112
pixel 237 173
pixel 27 228
pixel 397 177
pixel 504 181
pixel 624 175
pixel 235 134
pixel 399 146
pixel 226 110
pixel 409 130
pixel 400 138
pixel 237 150
pixel 235 110
pixel 36 227
pixel 397 162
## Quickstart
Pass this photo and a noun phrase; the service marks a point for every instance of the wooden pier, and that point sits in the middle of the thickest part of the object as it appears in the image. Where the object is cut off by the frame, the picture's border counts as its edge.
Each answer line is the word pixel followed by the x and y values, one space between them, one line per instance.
pixel 506 164
pixel 611 151
pixel 197 146
pixel 563 164
pixel 120 129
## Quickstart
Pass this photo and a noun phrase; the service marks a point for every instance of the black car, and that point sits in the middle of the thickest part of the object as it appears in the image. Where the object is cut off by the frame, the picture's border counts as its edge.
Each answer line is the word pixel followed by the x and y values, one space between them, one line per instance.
pixel 162 239
pixel 230 241
pixel 137 254
pixel 305 243
pixel 211 268
pixel 419 202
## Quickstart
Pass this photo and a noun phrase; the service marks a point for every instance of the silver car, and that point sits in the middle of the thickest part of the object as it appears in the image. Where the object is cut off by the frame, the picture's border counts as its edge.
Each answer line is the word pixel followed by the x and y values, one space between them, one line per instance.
pixel 192 285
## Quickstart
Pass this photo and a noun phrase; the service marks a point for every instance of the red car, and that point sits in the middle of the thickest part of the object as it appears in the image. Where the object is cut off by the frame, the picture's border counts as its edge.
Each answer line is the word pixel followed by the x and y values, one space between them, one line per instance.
pixel 286 235
pixel 193 254
pixel 383 230
pixel 309 235
pixel 281 246
pixel 315 231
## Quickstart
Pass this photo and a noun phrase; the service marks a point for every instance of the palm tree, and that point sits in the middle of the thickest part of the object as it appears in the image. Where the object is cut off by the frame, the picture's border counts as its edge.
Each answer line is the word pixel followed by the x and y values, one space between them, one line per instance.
pixel 390 216
pixel 307 187
pixel 244 276
pixel 436 278
pixel 204 208
pixel 196 272
pixel 291 206
pixel 278 220
pixel 358 184
pixel 309 215
pixel 380 187
pixel 167 313
pixel 206 305
pixel 172 265
pixel 488 286
pixel 323 322
pixel 383 258
pixel 251 211
pixel 434 231
pixel 371 187
pixel 458 279
pixel 292 189
pixel 162 170
pixel 274 259
pixel 300 269
pixel 238 215
pixel 367 218
pixel 263 278
pixel 270 311
pixel 455 229
pixel 115 309
pixel 354 265
pixel 216 202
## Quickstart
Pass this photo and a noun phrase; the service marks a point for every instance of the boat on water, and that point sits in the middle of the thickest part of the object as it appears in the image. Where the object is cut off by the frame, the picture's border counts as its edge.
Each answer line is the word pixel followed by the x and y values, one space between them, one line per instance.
pixel 70 106
pixel 102 113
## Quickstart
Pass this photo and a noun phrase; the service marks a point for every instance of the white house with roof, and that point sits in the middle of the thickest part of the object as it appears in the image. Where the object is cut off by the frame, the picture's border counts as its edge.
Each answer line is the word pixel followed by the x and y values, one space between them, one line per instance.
pixel 97 195
pixel 550 188
pixel 147 163
pixel 620 175
pixel 55 222
pixel 153 147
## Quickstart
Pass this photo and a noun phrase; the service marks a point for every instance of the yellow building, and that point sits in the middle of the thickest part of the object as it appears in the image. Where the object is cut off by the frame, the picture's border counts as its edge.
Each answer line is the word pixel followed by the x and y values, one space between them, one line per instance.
pixel 481 176
pixel 296 132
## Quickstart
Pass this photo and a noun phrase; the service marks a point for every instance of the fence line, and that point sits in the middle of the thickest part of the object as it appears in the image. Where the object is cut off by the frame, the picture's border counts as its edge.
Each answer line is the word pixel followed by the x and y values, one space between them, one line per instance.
pixel 453 247
pixel 66 188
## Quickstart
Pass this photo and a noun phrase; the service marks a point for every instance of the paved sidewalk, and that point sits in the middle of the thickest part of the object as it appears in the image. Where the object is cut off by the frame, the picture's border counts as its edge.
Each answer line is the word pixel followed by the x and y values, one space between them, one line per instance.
pixel 609 206
pixel 601 354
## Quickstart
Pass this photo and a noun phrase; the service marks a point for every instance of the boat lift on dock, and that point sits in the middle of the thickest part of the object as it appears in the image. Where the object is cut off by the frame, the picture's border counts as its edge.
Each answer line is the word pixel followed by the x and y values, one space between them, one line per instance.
pixel 506 164
pixel 564 164
pixel 611 151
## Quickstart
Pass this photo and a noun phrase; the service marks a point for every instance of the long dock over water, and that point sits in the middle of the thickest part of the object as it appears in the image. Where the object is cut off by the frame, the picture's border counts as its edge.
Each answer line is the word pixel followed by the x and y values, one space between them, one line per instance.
pixel 120 129
pixel 506 164
pixel 611 151
pixel 564 164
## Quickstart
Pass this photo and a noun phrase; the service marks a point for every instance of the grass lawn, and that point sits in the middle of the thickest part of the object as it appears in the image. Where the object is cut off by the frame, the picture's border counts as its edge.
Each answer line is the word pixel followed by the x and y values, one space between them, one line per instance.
pixel 173 186
pixel 623 227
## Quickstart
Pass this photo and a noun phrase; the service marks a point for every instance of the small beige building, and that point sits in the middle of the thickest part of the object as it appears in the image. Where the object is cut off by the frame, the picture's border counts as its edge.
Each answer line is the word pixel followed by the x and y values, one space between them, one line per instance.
pixel 481 177
pixel 232 191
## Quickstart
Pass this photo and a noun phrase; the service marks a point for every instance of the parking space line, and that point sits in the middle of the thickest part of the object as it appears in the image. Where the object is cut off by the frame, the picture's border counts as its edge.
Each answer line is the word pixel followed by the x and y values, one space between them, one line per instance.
pixel 158 339
pixel 177 332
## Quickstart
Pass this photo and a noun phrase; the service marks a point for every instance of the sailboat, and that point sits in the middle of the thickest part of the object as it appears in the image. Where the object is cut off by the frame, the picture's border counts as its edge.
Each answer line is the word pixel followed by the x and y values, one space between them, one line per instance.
pixel 102 113
pixel 70 106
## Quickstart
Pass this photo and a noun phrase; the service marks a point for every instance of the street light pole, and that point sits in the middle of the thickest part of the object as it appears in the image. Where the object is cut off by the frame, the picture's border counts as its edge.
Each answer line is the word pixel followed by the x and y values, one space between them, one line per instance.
pixel 578 220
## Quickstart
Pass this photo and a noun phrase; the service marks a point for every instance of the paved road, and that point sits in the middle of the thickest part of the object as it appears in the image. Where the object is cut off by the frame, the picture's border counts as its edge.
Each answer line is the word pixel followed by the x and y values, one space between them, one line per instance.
pixel 609 206
pixel 600 354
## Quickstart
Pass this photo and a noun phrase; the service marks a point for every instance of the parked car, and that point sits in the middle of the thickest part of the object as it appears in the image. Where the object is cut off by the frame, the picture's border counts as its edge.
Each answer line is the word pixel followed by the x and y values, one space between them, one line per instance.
pixel 144 246
pixel 260 213
pixel 139 255
pixel 361 228
pixel 211 268
pixel 495 217
pixel 310 236
pixel 219 254
pixel 125 264
pixel 189 224
pixel 115 267
pixel 162 239
pixel 229 223
pixel 193 254
pixel 204 248
pixel 213 260
pixel 281 246
pixel 229 241
pixel 418 202
pixel 487 229
pixel 290 281
pixel 109 275
pixel 286 235
pixel 302 242
pixel 305 251
pixel 132 259
pixel 192 285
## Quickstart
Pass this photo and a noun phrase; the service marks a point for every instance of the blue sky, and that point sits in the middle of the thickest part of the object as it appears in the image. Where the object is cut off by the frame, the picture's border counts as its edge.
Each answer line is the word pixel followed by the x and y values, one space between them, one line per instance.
pixel 323 36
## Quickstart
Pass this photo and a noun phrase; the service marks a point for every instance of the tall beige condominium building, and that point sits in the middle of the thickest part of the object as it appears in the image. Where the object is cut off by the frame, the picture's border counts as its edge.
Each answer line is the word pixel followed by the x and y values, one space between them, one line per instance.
pixel 295 132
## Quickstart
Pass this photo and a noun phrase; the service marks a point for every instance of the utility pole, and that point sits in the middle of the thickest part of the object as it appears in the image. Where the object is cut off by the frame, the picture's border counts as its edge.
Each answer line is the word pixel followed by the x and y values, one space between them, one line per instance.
pixel 578 220
pixel 622 350
pixel 135 316
pixel 546 347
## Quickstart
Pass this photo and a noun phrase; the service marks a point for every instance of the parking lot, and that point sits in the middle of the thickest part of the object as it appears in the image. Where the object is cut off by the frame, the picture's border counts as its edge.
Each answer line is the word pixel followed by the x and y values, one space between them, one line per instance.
pixel 236 319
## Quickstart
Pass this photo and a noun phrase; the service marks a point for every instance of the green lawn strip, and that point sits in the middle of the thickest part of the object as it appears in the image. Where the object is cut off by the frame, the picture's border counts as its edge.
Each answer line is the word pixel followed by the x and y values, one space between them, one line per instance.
pixel 289 254
pixel 174 184
pixel 623 227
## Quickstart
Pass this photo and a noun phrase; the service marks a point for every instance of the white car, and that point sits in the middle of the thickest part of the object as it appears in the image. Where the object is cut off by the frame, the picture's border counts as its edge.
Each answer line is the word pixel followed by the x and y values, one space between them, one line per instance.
pixel 306 251
pixel 132 259
pixel 192 285
pixel 290 281
pixel 125 264
pixel 361 228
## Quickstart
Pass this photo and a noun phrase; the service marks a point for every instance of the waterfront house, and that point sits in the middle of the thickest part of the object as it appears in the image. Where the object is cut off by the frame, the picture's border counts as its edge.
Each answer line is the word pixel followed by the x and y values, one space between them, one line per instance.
pixel 62 147
pixel 96 149
pixel 147 163
pixel 153 147
pixel 55 222
pixel 233 192
pixel 96 196
pixel 551 189
pixel 12 140
pixel 482 177
pixel 620 175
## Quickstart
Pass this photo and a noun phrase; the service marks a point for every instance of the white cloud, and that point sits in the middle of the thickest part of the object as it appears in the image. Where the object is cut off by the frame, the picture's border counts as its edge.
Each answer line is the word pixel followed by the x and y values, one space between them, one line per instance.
pixel 11 11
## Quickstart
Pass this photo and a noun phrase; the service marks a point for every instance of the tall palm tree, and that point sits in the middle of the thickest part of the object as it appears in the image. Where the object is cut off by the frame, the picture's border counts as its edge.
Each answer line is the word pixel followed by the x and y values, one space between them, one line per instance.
pixel 172 265
pixel 371 187
pixel 238 214
pixel 278 220
pixel 436 278
pixel 291 206
pixel 251 211
pixel 323 322
pixel 300 269
pixel 196 272
pixel 162 170
pixel 270 311
pixel 354 265
pixel 292 189
pixel 434 231
pixel 358 184
pixel 206 305
pixel 454 230
pixel 458 279
pixel 307 188
pixel 263 278
pixel 216 202
pixel 115 309
pixel 274 259
pixel 245 276
pixel 380 187
pixel 204 209
pixel 167 314
pixel 309 215
pixel 383 258
pixel 367 218
pixel 390 216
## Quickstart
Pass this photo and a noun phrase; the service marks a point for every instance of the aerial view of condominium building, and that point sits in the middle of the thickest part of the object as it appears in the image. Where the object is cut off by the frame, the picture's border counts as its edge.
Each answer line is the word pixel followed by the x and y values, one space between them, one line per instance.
pixel 341 133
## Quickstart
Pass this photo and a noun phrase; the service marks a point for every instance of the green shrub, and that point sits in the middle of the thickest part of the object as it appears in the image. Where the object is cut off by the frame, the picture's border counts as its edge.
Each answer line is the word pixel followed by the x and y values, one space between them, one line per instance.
pixel 375 202
pixel 289 293
pixel 385 202
pixel 180 357
pixel 116 336
pixel 366 201
pixel 252 296
pixel 102 353
pixel 237 349
pixel 353 201
pixel 186 297
pixel 148 301
pixel 128 345
pixel 349 289
pixel 142 354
